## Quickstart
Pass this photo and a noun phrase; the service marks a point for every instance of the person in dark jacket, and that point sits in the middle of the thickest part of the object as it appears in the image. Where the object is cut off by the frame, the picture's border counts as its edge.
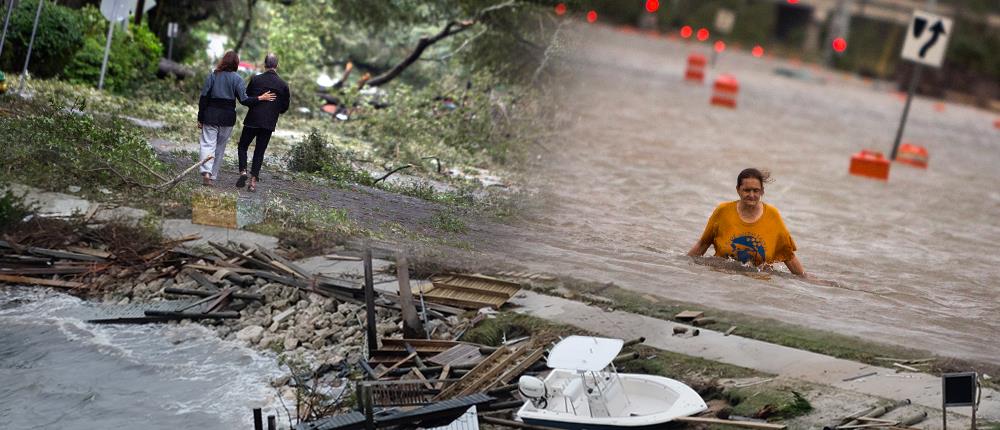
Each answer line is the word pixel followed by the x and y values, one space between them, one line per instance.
pixel 261 119
pixel 217 112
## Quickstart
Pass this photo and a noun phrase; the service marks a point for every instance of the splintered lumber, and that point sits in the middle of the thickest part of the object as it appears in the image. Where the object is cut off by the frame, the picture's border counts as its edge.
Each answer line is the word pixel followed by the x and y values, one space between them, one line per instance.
pixel 905 367
pixel 485 374
pixel 52 253
pixel 746 424
pixel 516 370
pixel 730 331
pixel 396 365
pixel 294 267
pixel 200 293
pixel 39 281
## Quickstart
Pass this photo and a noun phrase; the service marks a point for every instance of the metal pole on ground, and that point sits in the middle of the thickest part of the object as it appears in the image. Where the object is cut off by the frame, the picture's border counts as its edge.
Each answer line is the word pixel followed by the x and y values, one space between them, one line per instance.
pixel 6 21
pixel 31 44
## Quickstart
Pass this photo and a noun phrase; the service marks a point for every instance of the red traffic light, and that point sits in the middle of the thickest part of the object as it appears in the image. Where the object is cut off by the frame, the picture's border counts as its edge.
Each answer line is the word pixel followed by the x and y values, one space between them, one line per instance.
pixel 702 34
pixel 561 9
pixel 652 5
pixel 757 51
pixel 686 31
pixel 839 44
pixel 591 16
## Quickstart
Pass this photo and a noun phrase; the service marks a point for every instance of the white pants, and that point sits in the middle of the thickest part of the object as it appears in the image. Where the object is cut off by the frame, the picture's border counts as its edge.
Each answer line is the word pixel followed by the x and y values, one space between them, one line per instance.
pixel 213 143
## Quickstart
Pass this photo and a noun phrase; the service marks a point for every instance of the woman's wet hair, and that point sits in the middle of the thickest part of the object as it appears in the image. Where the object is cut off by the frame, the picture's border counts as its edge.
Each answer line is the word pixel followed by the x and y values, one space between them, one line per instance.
pixel 763 176
pixel 229 62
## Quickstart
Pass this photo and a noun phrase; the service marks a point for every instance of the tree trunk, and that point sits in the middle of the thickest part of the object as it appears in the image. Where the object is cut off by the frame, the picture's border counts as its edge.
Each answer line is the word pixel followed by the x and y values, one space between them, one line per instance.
pixel 246 25
pixel 138 12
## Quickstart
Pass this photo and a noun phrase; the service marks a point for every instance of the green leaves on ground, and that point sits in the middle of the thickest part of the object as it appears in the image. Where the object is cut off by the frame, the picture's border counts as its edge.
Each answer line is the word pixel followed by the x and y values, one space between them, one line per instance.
pixel 60 146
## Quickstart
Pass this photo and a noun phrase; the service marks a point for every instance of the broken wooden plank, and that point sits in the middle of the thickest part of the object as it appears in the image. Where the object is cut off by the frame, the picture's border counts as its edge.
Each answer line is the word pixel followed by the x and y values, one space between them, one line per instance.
pixel 397 364
pixel 222 299
pixel 730 331
pixel 39 281
pixel 193 315
pixel 689 315
pixel 51 252
pixel 89 251
pixel 458 354
pixel 60 270
pixel 202 280
pixel 905 367
pixel 746 424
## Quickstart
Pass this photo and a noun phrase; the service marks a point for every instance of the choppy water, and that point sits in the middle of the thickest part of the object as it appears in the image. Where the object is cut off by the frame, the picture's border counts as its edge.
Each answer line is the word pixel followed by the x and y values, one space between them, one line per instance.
pixel 640 161
pixel 58 372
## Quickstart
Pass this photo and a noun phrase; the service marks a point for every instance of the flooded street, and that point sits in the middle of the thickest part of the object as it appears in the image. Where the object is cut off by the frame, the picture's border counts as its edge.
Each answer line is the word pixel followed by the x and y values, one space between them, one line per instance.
pixel 630 182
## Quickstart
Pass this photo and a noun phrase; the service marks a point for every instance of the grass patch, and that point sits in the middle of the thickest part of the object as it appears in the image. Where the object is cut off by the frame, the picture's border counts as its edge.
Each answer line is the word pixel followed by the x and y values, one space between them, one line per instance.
pixel 697 372
pixel 767 402
pixel 449 222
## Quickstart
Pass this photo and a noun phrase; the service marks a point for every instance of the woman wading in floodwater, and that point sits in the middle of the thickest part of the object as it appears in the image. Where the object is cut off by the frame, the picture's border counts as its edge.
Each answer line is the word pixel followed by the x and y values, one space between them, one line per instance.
pixel 749 230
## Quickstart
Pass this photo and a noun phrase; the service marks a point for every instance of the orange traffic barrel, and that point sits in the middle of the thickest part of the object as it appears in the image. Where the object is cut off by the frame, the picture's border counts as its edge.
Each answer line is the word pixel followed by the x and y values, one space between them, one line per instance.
pixel 914 155
pixel 870 164
pixel 695 68
pixel 725 90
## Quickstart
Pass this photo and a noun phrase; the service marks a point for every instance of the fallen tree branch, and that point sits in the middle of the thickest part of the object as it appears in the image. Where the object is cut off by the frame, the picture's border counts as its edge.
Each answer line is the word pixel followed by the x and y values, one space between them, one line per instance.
pixel 391 172
pixel 450 29
pixel 167 186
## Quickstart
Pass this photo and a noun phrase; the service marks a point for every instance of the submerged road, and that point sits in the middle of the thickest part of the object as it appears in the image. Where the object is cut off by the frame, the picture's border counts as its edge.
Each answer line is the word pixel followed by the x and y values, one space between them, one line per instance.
pixel 639 161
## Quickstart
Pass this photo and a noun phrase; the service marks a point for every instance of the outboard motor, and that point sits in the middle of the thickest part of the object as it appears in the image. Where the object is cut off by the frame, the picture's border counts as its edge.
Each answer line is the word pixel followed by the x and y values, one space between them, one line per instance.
pixel 534 389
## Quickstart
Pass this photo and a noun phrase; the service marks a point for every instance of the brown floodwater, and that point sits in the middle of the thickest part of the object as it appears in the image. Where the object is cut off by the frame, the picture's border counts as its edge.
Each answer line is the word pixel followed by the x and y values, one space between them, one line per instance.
pixel 640 160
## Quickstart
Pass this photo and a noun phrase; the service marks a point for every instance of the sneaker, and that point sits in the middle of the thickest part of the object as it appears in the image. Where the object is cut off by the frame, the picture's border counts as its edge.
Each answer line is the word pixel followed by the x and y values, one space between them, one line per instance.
pixel 242 181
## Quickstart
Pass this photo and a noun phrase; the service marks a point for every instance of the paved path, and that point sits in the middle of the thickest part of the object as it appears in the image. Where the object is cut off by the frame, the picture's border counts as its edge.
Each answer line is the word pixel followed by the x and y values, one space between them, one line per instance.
pixel 922 389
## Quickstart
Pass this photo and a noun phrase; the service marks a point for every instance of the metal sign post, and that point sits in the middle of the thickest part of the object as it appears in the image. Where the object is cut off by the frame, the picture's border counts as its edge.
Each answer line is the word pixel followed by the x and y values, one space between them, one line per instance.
pixel 31 44
pixel 114 11
pixel 6 21
pixel 958 389
pixel 171 34
pixel 925 44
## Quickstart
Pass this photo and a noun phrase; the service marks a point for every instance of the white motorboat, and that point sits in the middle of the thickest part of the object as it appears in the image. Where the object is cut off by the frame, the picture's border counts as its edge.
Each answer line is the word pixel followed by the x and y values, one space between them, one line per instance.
pixel 584 391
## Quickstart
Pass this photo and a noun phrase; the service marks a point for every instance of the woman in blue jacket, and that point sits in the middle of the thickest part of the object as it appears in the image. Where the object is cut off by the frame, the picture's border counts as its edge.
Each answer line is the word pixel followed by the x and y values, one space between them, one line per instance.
pixel 217 112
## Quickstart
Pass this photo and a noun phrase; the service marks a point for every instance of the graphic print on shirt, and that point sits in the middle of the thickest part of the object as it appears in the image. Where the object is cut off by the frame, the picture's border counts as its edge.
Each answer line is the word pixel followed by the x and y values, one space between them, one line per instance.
pixel 748 248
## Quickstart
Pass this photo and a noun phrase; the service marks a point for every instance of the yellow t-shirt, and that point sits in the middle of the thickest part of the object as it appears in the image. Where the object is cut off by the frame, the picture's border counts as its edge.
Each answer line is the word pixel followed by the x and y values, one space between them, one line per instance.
pixel 765 241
